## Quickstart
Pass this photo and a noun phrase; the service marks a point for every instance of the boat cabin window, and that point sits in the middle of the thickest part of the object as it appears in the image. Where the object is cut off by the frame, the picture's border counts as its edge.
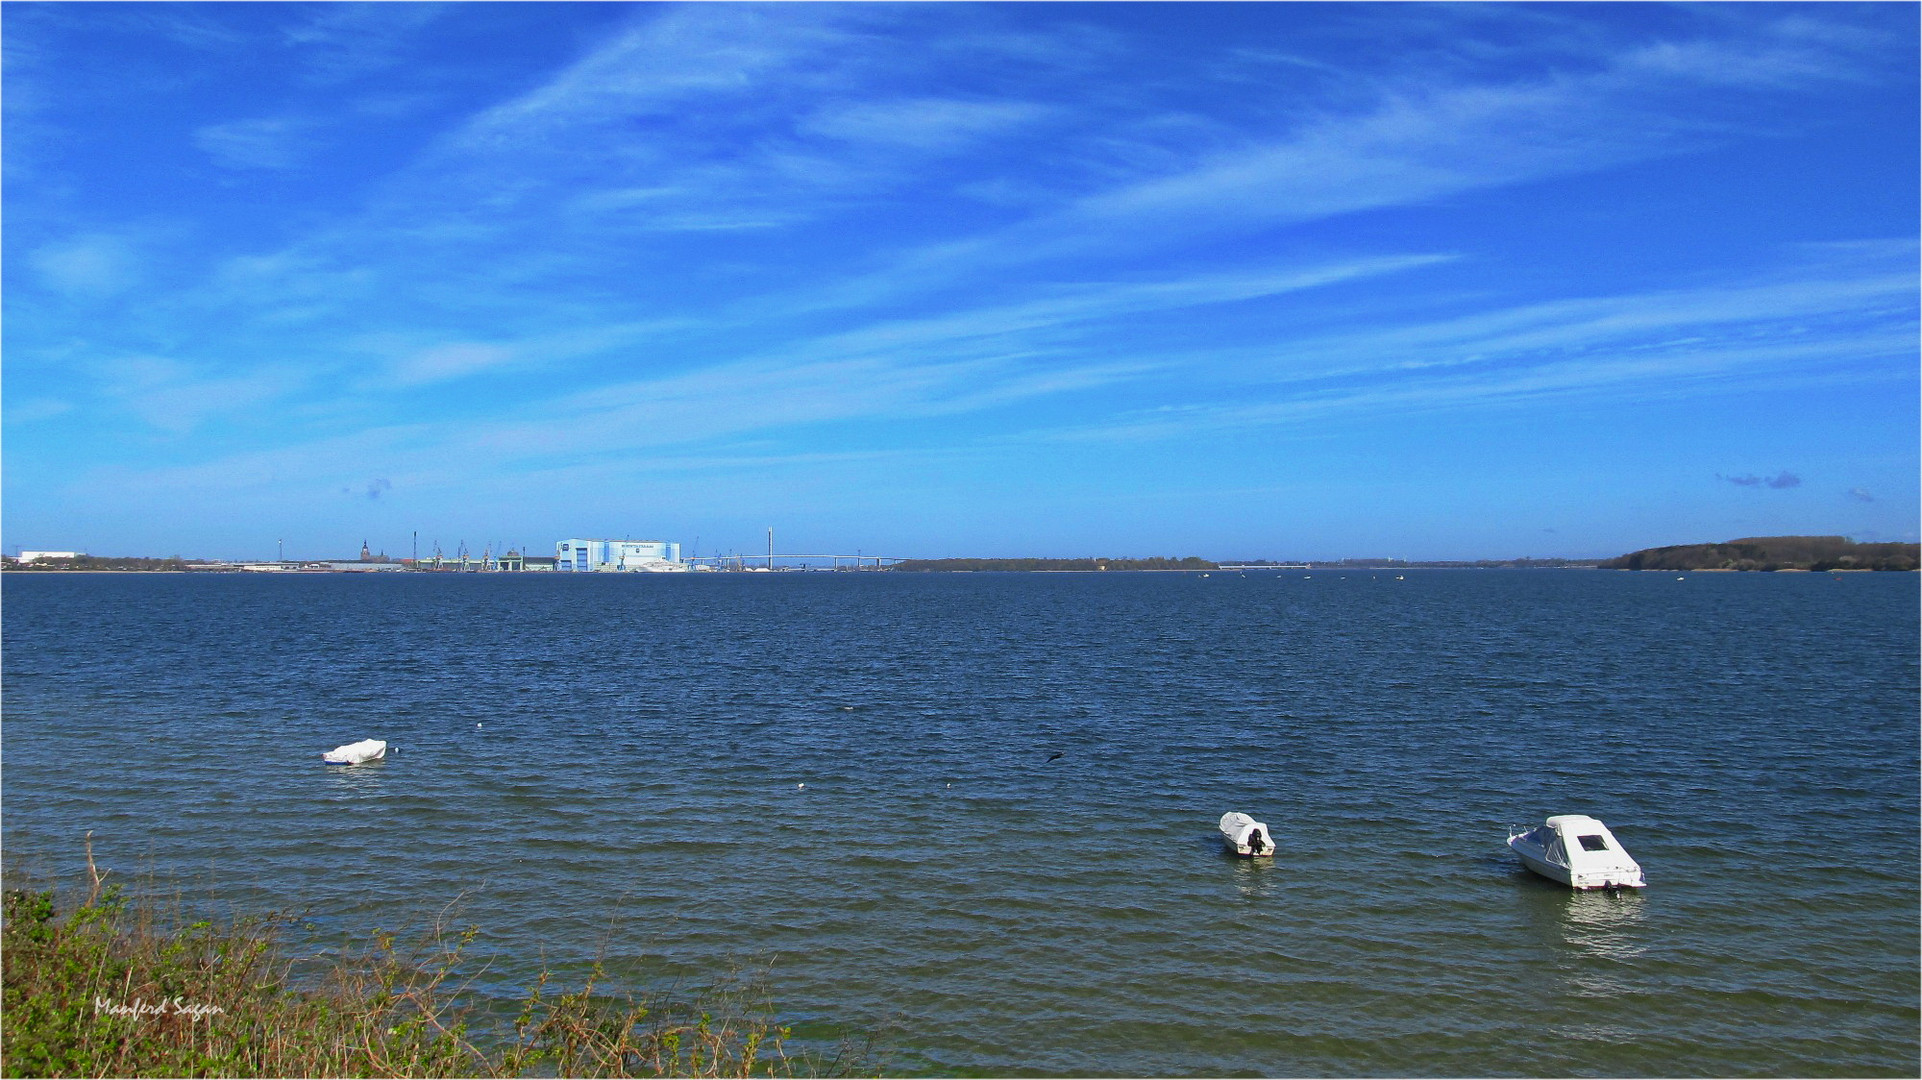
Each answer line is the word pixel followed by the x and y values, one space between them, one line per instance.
pixel 1593 843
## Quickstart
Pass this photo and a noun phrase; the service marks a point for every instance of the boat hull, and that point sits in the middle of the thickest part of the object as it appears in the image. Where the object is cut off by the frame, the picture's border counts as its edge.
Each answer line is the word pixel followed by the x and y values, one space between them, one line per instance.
pixel 1536 860
pixel 1541 866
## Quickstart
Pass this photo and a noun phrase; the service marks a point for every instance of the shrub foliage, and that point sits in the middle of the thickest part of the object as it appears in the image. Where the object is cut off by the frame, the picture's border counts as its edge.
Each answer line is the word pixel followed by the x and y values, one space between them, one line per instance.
pixel 102 989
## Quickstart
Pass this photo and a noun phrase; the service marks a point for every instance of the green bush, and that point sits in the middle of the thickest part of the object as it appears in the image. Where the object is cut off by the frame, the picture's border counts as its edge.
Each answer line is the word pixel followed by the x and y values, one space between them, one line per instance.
pixel 102 989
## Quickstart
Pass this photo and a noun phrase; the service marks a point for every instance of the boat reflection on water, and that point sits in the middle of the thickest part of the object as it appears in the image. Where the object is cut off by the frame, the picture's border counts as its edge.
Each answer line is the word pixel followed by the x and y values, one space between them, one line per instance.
pixel 1606 925
pixel 355 781
pixel 1593 938
pixel 1257 879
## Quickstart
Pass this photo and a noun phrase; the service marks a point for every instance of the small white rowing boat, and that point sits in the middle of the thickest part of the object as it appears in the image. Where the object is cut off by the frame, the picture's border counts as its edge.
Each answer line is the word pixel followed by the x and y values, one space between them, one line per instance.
pixel 1246 836
pixel 1577 851
pixel 355 753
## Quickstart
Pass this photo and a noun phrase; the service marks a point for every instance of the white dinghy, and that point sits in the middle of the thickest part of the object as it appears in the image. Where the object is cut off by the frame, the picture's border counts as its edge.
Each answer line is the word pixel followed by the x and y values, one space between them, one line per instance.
pixel 1246 836
pixel 1577 851
pixel 355 753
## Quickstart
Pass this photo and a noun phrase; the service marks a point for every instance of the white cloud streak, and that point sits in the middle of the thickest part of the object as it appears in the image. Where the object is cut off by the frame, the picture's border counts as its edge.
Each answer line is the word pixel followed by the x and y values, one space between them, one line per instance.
pixel 177 398
pixel 272 143
pixel 734 222
pixel 96 264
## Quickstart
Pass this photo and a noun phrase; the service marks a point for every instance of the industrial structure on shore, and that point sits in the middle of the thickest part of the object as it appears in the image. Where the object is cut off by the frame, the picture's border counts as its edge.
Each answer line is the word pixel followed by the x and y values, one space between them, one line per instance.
pixel 581 555
pixel 575 555
pixel 630 556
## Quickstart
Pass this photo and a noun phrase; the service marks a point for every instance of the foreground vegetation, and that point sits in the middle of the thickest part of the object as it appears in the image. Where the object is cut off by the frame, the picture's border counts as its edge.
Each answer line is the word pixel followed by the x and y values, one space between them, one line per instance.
pixel 108 988
pixel 1820 553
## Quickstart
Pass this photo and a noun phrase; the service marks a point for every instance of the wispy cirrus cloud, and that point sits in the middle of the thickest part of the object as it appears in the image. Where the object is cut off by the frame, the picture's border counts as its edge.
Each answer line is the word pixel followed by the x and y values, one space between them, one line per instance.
pixel 713 233
pixel 443 362
pixel 1071 306
pixel 408 361
pixel 1813 324
pixel 724 121
pixel 772 397
pixel 1784 306
pixel 177 398
pixel 1404 147
pixel 36 409
pixel 1632 347
pixel 95 264
pixel 271 143
pixel 1606 380
pixel 934 124
pixel 690 420
pixel 891 372
pixel 342 42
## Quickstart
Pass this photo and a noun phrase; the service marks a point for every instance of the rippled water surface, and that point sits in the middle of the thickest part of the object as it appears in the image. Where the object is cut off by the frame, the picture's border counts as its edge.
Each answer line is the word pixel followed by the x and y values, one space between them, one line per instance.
pixel 611 766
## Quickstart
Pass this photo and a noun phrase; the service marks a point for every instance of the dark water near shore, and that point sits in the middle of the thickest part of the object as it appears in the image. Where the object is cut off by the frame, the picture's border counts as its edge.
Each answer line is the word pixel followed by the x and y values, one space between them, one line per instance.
pixel 573 749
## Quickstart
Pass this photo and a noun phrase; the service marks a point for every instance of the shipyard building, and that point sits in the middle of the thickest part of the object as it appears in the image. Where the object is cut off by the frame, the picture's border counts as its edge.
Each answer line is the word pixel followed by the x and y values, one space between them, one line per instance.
pixel 603 556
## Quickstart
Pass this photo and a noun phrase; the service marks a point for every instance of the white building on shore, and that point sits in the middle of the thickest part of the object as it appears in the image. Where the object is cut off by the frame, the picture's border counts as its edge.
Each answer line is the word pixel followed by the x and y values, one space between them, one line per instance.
pixel 36 556
pixel 614 556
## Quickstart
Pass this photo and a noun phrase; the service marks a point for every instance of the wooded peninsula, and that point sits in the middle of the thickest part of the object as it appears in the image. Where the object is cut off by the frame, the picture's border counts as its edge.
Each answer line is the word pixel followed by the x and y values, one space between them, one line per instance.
pixel 1819 553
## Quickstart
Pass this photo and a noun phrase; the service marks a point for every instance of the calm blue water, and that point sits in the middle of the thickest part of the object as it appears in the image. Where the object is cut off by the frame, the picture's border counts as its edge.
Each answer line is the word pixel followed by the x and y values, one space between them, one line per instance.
pixel 608 766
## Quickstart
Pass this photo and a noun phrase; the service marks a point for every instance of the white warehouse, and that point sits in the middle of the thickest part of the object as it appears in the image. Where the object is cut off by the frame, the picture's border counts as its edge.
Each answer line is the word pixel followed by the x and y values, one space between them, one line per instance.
pixel 605 556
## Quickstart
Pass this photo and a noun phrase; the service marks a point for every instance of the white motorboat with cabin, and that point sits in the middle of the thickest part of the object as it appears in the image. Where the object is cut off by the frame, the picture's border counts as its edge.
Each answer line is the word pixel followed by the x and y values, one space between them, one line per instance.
pixel 1246 836
pixel 1577 851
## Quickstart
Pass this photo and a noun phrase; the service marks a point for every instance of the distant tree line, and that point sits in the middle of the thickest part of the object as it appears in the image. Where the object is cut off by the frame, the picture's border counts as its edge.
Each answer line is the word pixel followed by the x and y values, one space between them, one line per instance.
pixel 1401 564
pixel 1773 553
pixel 1523 563
pixel 100 562
pixel 1171 563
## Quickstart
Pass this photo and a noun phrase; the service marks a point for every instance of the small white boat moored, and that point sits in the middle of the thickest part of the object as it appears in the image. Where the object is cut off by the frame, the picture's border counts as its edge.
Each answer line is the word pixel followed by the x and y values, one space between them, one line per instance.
pixel 1577 851
pixel 355 753
pixel 1246 836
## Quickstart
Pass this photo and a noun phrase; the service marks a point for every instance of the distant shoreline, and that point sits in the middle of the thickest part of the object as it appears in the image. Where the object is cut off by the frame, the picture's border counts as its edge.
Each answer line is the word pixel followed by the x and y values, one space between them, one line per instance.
pixel 1766 554
pixel 822 570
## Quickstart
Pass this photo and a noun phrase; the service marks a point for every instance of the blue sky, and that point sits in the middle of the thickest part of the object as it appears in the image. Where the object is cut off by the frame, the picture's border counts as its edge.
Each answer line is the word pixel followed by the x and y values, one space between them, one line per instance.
pixel 1244 280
